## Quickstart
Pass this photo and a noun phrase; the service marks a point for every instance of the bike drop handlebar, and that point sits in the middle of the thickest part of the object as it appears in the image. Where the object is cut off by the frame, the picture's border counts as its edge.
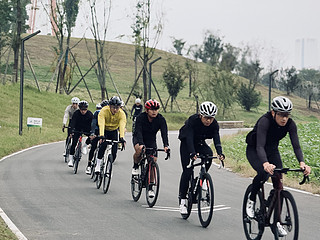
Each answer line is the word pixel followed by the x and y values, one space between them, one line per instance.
pixel 286 170
pixel 144 149
pixel 203 159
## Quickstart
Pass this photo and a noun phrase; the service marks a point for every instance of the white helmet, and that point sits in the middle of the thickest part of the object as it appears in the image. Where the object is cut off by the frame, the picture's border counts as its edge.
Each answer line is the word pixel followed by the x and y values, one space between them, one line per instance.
pixel 208 109
pixel 138 100
pixel 281 104
pixel 98 106
pixel 75 100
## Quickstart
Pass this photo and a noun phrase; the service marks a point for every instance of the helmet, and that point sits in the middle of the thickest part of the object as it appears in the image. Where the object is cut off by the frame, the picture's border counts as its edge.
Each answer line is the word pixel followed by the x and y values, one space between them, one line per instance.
pixel 98 106
pixel 83 104
pixel 122 103
pixel 75 100
pixel 281 104
pixel 104 103
pixel 138 100
pixel 152 104
pixel 116 101
pixel 208 109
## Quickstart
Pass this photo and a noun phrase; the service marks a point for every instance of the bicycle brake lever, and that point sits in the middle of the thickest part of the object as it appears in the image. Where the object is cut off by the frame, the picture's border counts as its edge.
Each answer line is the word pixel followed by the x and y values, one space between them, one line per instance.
pixel 304 179
pixel 221 164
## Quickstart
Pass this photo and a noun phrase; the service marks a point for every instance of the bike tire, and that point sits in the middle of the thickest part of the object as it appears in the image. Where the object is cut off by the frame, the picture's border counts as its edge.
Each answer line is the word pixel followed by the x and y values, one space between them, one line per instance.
pixel 76 158
pixel 253 227
pixel 100 175
pixel 93 165
pixel 289 218
pixel 155 185
pixel 68 146
pixel 107 174
pixel 136 185
pixel 205 200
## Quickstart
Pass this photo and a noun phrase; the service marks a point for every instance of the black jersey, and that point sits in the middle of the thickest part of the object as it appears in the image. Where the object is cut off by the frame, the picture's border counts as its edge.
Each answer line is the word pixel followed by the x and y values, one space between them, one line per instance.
pixel 145 132
pixel 82 122
pixel 136 109
pixel 193 132
pixel 267 134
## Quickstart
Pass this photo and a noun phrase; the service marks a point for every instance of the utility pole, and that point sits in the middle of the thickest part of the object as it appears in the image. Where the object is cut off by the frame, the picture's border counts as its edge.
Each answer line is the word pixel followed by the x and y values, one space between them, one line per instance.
pixel 270 82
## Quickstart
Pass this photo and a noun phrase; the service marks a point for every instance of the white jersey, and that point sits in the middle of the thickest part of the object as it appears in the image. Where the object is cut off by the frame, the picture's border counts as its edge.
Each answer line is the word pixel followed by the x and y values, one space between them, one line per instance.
pixel 68 113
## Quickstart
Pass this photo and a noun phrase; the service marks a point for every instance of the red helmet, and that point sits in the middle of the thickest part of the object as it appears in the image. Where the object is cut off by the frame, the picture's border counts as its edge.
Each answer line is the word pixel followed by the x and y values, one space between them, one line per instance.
pixel 152 104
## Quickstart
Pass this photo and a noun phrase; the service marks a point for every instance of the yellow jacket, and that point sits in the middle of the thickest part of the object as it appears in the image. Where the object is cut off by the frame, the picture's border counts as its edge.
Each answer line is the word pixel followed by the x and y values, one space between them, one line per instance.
pixel 108 121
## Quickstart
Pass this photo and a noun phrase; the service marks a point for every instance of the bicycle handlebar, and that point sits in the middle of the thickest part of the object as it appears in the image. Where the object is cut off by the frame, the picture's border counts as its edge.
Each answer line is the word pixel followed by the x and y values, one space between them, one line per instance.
pixel 203 159
pixel 286 170
pixel 144 149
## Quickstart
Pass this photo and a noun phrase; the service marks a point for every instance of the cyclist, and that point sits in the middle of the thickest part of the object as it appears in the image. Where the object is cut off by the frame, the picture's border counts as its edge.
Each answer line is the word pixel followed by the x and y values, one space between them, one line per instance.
pixel 262 148
pixel 148 124
pixel 192 135
pixel 110 119
pixel 68 113
pixel 81 121
pixel 136 109
pixel 93 133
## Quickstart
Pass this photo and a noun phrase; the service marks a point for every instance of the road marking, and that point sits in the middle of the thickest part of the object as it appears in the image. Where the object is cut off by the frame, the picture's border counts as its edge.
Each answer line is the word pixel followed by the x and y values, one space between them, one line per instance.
pixel 176 209
pixel 11 225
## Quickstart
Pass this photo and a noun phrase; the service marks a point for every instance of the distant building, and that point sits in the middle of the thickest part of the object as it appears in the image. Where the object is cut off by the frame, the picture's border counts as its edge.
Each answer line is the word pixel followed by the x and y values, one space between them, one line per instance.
pixel 306 53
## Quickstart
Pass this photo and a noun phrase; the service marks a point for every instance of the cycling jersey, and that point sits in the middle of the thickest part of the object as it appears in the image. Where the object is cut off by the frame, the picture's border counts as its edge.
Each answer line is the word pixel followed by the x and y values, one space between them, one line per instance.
pixel 194 132
pixel 68 113
pixel 110 122
pixel 145 132
pixel 81 122
pixel 136 109
pixel 266 135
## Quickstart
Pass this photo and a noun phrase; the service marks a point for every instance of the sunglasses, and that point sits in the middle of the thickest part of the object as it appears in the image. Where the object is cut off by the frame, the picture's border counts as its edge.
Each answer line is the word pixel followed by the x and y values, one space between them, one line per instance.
pixel 283 114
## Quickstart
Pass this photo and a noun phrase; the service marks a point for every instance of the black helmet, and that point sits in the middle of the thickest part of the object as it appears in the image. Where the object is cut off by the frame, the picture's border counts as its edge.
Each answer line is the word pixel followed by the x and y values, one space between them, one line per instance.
pixel 83 105
pixel 104 103
pixel 115 101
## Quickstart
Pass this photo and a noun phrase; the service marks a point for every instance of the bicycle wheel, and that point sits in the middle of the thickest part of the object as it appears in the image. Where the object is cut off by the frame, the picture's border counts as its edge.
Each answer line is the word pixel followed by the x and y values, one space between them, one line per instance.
pixel 289 218
pixel 67 153
pixel 76 158
pixel 253 227
pixel 107 174
pixel 93 165
pixel 136 184
pixel 205 200
pixel 100 175
pixel 153 170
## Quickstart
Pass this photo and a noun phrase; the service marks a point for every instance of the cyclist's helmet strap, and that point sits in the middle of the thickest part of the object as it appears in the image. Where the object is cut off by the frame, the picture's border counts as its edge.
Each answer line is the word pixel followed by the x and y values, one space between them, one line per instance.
pixel 115 101
pixel 152 104
pixel 281 104
pixel 208 109
pixel 83 105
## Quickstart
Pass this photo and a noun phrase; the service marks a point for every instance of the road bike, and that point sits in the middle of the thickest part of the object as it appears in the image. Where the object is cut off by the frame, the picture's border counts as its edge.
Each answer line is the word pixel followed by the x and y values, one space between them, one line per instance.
pixel 201 191
pixel 105 174
pixel 78 151
pixel 278 208
pixel 148 177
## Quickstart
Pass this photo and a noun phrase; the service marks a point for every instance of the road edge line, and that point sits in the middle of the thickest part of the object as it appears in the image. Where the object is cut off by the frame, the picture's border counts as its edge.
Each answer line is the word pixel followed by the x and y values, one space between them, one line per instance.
pixel 11 225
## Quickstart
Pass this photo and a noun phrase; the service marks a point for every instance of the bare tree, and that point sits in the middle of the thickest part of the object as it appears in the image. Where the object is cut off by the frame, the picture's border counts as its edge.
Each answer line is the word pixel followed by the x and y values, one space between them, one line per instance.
pixel 142 32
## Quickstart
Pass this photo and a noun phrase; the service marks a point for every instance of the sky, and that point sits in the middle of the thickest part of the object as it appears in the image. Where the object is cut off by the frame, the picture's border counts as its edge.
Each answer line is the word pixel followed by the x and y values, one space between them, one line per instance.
pixel 271 26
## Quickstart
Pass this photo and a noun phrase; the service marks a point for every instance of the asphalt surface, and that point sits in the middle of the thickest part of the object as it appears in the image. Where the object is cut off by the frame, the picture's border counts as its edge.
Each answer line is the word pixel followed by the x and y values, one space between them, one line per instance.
pixel 45 200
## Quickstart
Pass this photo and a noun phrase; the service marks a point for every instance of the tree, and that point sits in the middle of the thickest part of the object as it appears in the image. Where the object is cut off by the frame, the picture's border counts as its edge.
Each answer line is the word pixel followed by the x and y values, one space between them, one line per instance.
pixel 173 77
pixel 210 51
pixel 247 97
pixel 178 45
pixel 142 30
pixel 289 80
pixel 221 87
pixel 310 83
pixel 229 58
pixel 192 72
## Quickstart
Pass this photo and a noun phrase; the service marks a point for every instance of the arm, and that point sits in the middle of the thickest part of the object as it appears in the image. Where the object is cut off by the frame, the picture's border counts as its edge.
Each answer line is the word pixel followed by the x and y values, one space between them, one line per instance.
pixel 164 132
pixel 102 121
pixel 138 131
pixel 262 129
pixel 217 142
pixel 295 141
pixel 122 124
pixel 66 115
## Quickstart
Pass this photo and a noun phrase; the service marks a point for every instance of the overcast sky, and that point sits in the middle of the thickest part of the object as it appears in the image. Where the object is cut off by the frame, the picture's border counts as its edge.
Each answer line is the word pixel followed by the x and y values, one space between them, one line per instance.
pixel 269 24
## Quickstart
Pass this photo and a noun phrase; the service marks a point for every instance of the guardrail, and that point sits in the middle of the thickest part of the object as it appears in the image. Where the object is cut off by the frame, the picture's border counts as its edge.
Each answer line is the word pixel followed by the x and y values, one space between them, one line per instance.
pixel 230 124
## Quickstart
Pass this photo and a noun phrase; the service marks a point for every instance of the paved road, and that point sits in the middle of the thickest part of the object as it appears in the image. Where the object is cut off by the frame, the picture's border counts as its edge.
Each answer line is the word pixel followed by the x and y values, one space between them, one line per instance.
pixel 45 200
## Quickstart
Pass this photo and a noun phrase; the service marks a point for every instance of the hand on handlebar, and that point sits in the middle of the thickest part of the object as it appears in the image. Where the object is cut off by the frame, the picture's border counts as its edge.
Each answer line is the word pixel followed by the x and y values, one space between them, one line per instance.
pixel 123 142
pixel 268 167
pixel 306 168
pixel 63 127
